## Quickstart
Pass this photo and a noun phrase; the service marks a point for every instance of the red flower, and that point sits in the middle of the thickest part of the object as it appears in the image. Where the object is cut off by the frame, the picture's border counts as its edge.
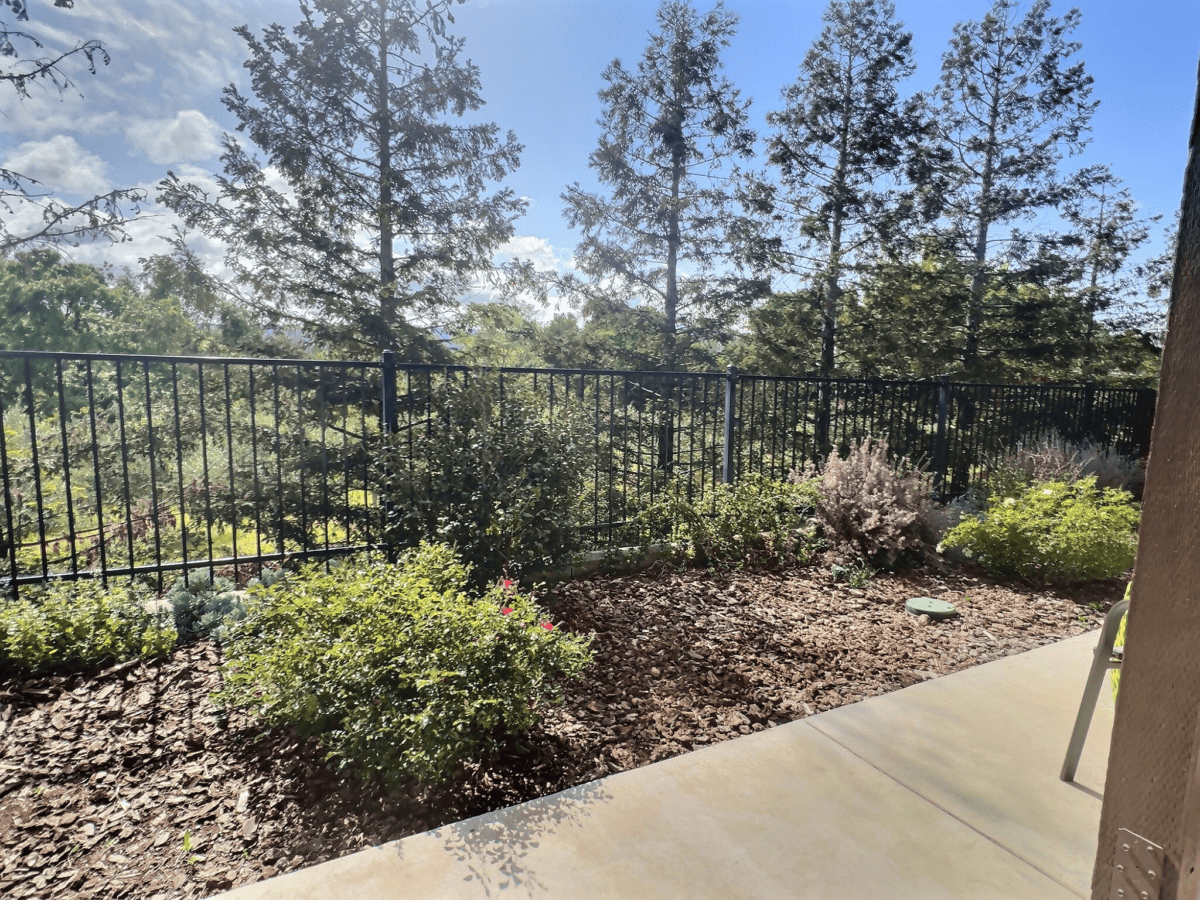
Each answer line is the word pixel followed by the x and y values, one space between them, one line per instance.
pixel 507 585
pixel 506 611
pixel 547 626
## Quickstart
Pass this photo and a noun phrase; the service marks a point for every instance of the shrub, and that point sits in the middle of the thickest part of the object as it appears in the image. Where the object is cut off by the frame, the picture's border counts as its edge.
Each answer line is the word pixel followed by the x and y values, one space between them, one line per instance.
pixel 941 518
pixel 1053 532
pixel 499 481
pixel 1051 457
pixel 397 669
pixel 201 608
pixel 871 508
pixel 753 520
pixel 81 623
pixel 808 488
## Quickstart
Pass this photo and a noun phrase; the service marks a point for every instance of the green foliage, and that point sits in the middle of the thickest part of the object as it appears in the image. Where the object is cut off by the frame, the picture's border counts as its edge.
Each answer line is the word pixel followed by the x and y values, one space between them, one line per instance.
pixel 856 575
pixel 1009 105
pixel 78 624
pixel 400 670
pixel 203 608
pixel 836 142
pixel 755 520
pixel 1053 532
pixel 48 303
pixel 379 207
pixel 664 242
pixel 500 482
pixel 872 508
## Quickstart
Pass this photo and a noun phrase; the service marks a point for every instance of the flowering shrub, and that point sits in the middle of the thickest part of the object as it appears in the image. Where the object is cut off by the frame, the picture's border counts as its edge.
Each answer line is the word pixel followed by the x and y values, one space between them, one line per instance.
pixel 400 670
pixel 1054 532
pixel 81 623
pixel 871 508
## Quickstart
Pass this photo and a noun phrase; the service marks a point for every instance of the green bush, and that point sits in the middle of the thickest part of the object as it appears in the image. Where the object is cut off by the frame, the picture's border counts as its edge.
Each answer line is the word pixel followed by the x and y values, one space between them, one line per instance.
pixel 753 520
pixel 399 670
pixel 78 624
pixel 1054 532
pixel 499 480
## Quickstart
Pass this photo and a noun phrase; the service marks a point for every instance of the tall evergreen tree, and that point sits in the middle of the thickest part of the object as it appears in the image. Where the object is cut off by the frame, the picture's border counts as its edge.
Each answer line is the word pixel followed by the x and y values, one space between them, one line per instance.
pixel 667 232
pixel 839 138
pixel 1009 105
pixel 372 213
pixel 1105 230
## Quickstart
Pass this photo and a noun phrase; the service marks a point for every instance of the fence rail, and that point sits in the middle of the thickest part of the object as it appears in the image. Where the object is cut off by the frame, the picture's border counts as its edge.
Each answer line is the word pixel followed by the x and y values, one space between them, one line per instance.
pixel 148 466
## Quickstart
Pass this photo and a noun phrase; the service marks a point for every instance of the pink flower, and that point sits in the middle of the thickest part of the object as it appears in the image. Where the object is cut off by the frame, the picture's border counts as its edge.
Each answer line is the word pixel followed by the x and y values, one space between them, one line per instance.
pixel 508 585
pixel 547 626
pixel 506 611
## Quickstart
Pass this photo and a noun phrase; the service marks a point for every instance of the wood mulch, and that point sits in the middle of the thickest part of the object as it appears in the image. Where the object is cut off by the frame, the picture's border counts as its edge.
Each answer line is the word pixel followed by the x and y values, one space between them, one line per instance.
pixel 123 783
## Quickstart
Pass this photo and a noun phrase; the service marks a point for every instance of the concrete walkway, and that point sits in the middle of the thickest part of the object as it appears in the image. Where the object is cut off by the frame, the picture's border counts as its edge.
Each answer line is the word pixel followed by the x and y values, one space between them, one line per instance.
pixel 948 789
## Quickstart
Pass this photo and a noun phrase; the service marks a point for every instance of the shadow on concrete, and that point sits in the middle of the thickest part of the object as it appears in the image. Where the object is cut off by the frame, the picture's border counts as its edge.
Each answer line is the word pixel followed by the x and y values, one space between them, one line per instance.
pixel 493 847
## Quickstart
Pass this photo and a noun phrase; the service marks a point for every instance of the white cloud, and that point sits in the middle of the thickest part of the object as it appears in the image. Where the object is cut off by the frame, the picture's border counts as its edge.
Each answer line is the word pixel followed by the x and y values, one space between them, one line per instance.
pixel 191 135
pixel 537 250
pixel 146 235
pixel 60 164
pixel 164 55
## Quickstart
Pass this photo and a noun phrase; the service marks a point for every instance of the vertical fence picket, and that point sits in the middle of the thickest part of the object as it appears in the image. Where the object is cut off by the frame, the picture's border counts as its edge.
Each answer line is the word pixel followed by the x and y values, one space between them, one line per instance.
pixel 251 388
pixel 183 532
pixel 941 449
pixel 389 422
pixel 11 538
pixel 126 494
pixel 152 457
pixel 31 410
pixel 66 457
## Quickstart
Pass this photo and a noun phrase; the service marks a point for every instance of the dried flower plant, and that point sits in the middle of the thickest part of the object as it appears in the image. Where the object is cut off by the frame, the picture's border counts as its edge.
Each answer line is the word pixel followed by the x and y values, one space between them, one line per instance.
pixel 872 508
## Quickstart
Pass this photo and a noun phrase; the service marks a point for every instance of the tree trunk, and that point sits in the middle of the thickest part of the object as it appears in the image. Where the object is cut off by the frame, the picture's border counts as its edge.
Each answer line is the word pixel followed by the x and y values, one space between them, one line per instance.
pixel 671 301
pixel 388 302
pixel 833 268
pixel 983 221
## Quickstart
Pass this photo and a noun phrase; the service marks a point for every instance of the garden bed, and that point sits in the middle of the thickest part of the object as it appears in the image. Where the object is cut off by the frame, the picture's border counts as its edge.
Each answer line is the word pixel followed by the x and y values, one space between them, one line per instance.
pixel 123 782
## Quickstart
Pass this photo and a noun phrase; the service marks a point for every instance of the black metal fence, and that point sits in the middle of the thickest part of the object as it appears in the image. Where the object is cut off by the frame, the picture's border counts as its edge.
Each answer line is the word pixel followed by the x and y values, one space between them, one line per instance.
pixel 148 466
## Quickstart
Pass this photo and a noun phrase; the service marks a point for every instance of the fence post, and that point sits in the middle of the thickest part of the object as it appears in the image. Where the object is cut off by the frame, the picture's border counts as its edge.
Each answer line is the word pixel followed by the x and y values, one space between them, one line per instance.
pixel 1143 425
pixel 9 542
pixel 1086 418
pixel 727 473
pixel 941 447
pixel 388 425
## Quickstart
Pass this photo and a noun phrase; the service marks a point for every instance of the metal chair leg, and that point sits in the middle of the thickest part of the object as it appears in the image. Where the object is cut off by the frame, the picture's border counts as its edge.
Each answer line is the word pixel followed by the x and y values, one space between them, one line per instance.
pixel 1102 661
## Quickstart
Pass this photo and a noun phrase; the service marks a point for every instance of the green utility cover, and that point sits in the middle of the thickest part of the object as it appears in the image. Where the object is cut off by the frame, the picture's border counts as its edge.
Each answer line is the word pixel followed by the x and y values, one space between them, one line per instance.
pixel 929 606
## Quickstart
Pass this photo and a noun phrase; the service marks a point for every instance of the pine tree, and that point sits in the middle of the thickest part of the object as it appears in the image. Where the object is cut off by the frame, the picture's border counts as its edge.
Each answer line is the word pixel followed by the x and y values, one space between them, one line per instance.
pixel 666 235
pixel 1009 105
pixel 1105 231
pixel 372 213
pixel 839 138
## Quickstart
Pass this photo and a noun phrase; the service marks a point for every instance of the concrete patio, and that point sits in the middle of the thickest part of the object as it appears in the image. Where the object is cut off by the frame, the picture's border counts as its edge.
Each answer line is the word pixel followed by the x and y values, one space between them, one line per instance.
pixel 948 789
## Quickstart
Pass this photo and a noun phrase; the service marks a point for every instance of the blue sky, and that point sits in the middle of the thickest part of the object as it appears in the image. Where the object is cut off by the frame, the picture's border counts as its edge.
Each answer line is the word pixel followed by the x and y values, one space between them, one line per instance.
pixel 157 106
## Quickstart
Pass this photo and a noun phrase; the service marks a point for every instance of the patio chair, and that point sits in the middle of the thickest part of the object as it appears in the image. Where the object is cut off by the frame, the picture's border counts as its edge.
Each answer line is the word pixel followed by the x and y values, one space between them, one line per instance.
pixel 1105 658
